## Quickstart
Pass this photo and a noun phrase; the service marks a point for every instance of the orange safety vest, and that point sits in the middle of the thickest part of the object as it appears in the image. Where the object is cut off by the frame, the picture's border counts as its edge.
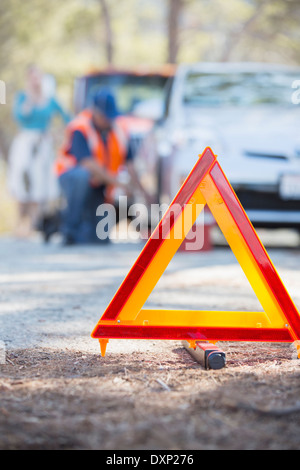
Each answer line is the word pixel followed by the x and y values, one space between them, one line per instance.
pixel 111 156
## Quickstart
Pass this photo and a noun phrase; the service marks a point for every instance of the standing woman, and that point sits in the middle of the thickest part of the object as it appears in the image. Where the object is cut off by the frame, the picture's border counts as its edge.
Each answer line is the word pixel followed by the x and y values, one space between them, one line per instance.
pixel 31 179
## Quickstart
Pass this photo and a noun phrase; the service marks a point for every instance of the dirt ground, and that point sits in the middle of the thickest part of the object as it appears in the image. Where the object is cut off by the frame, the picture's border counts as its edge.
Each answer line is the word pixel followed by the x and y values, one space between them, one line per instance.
pixel 57 392
pixel 152 400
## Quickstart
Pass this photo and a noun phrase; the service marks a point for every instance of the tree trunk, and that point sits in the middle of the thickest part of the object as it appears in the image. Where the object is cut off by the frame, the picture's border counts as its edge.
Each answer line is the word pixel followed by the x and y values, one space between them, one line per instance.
pixel 108 32
pixel 175 8
pixel 234 39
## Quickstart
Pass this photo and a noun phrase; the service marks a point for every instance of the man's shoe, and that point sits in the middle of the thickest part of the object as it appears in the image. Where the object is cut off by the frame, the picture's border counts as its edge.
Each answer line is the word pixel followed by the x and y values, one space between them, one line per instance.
pixel 68 241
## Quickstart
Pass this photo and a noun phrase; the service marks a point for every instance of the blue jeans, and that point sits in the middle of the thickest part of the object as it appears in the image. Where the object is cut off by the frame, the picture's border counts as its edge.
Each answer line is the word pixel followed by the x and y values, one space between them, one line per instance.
pixel 79 219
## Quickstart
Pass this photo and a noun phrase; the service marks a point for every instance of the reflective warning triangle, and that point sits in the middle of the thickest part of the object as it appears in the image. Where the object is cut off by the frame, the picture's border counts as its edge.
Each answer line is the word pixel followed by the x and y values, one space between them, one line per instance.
pixel 125 317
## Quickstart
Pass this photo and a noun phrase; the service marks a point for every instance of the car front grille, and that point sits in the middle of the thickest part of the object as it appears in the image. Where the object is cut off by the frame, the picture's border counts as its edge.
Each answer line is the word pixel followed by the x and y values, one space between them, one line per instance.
pixel 259 200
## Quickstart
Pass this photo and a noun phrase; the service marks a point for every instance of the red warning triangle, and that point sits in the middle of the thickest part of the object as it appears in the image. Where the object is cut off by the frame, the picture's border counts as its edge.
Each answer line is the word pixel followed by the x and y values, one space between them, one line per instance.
pixel 125 317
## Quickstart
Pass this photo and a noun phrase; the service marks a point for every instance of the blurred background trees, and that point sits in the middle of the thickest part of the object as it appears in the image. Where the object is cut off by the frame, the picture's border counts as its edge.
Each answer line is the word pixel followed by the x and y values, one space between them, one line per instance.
pixel 72 37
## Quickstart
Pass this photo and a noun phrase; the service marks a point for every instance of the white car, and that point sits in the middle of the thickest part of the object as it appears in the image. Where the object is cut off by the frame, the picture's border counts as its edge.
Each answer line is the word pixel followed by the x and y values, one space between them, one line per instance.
pixel 246 113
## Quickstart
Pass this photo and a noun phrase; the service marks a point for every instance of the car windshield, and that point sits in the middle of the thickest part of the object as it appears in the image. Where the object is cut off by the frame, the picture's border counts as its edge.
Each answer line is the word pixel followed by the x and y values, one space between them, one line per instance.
pixel 129 90
pixel 239 89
